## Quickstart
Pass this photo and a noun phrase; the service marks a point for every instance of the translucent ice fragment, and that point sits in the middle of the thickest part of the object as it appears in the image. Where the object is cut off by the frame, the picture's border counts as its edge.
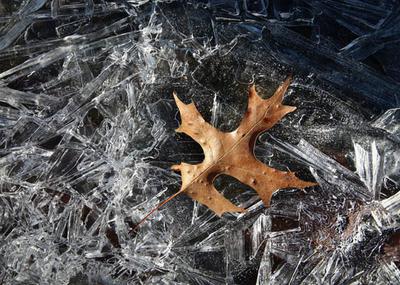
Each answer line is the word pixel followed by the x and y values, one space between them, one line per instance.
pixel 369 165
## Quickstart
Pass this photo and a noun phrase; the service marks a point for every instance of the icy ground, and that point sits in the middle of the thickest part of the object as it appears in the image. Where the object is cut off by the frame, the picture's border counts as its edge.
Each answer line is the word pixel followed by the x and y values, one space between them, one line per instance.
pixel 87 138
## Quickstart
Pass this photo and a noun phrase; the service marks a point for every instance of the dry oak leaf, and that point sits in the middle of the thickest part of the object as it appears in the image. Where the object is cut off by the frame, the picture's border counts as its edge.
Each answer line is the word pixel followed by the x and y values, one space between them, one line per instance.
pixel 232 153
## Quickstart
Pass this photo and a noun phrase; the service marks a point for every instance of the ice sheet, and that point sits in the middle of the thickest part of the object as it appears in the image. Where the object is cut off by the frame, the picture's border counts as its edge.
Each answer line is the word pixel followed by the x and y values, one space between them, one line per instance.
pixel 87 139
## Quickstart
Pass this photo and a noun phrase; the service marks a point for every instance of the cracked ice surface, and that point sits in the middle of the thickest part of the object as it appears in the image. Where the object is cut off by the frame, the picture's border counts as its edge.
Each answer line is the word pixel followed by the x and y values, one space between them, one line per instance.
pixel 87 138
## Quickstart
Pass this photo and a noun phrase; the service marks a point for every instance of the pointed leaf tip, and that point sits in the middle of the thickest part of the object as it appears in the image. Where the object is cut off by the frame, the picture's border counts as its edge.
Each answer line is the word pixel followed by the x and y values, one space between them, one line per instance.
pixel 176 167
pixel 252 90
pixel 176 98
pixel 278 95
pixel 290 108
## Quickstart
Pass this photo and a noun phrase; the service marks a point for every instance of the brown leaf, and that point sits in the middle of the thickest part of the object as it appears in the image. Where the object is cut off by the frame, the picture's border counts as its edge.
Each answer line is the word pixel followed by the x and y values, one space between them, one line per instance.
pixel 232 153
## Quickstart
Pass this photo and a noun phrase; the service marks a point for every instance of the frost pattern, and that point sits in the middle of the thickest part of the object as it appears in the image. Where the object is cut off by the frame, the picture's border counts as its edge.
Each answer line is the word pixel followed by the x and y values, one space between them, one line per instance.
pixel 87 138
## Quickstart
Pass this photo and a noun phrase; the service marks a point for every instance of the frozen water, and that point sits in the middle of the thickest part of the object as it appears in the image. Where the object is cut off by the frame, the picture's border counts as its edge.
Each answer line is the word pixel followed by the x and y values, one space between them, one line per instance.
pixel 87 140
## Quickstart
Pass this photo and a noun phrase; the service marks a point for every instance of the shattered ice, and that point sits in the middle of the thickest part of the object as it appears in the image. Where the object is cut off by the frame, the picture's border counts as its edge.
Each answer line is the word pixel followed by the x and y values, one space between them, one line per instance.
pixel 87 140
